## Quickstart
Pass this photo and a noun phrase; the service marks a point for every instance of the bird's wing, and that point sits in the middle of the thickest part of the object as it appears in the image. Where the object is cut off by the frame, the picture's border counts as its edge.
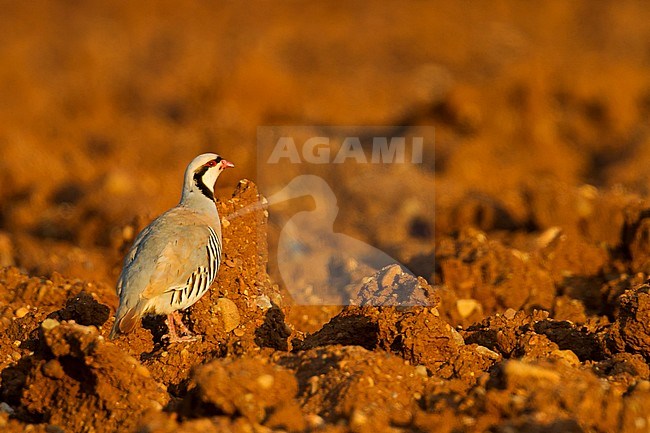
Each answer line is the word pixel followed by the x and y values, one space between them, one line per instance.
pixel 165 255
pixel 179 258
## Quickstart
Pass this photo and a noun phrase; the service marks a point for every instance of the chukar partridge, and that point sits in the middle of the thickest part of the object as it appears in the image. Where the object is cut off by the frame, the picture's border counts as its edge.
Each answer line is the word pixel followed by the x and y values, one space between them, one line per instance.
pixel 174 259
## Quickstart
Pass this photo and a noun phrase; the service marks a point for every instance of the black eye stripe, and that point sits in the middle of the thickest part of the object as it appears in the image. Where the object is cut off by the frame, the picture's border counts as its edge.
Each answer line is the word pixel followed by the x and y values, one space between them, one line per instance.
pixel 218 160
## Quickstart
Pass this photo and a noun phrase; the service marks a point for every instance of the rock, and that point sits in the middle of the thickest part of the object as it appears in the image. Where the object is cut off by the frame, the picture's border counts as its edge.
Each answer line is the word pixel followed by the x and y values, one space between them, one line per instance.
pixel 421 370
pixel 21 312
pixel 547 237
pixel 633 321
pixel 509 314
pixel 390 273
pixel 53 369
pixel 229 314
pixel 5 408
pixel 466 307
pixel 521 372
pixel 49 324
pixel 487 352
pixel 566 355
pixel 266 381
pixel 263 302
pixel 392 286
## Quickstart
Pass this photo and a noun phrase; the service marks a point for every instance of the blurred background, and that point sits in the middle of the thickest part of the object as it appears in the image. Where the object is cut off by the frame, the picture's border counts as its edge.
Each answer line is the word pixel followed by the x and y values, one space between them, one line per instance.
pixel 102 105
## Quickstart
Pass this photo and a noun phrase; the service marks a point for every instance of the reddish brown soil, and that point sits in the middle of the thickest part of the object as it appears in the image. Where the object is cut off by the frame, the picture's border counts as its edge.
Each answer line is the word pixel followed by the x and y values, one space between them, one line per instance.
pixel 527 226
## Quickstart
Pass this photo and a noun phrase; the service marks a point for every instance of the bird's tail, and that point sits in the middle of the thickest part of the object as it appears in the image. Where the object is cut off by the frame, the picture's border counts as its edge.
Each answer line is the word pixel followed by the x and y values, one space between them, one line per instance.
pixel 125 320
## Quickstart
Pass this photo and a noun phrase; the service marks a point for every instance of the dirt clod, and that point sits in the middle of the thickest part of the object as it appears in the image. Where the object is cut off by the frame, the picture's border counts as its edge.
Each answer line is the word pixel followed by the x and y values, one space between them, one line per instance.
pixel 252 388
pixel 78 369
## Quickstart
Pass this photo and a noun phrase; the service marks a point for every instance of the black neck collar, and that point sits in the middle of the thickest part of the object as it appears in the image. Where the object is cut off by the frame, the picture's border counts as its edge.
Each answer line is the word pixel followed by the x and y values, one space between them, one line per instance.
pixel 198 181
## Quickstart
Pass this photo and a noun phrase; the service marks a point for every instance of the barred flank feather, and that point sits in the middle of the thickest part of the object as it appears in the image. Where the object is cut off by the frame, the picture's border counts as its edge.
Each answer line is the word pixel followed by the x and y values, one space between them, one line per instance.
pixel 199 282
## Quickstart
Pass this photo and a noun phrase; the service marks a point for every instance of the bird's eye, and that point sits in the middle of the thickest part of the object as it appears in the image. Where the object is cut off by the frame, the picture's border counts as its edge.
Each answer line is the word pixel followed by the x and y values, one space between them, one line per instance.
pixel 211 163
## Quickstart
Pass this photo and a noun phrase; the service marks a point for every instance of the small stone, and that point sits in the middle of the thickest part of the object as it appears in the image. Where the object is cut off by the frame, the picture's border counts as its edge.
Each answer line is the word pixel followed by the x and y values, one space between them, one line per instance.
pixel 4 407
pixel 358 419
pixel 524 257
pixel 314 421
pixel 458 339
pixel 487 352
pixel 238 332
pixel 21 312
pixel 466 307
pixel 43 292
pixel 509 314
pixel 421 370
pixel 265 381
pixel 53 369
pixel 229 313
pixel 49 324
pixel 390 273
pixel 276 297
pixel 263 302
pixel 548 236
pixel 566 355
pixel 524 372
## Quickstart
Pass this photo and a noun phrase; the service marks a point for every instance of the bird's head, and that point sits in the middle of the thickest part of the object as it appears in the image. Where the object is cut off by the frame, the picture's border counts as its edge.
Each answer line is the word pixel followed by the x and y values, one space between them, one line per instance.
pixel 202 173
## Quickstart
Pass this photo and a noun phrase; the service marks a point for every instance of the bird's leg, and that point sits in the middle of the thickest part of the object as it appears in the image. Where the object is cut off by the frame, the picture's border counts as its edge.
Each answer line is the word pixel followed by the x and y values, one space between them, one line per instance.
pixel 174 319
pixel 172 335
pixel 179 321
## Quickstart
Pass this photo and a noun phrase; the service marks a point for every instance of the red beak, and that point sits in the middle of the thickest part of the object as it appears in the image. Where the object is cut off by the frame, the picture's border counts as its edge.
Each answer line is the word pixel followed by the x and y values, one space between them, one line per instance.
pixel 226 164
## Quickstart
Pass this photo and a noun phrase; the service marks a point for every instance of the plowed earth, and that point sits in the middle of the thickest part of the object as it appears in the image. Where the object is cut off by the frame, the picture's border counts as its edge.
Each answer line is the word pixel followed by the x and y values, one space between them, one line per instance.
pixel 527 226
